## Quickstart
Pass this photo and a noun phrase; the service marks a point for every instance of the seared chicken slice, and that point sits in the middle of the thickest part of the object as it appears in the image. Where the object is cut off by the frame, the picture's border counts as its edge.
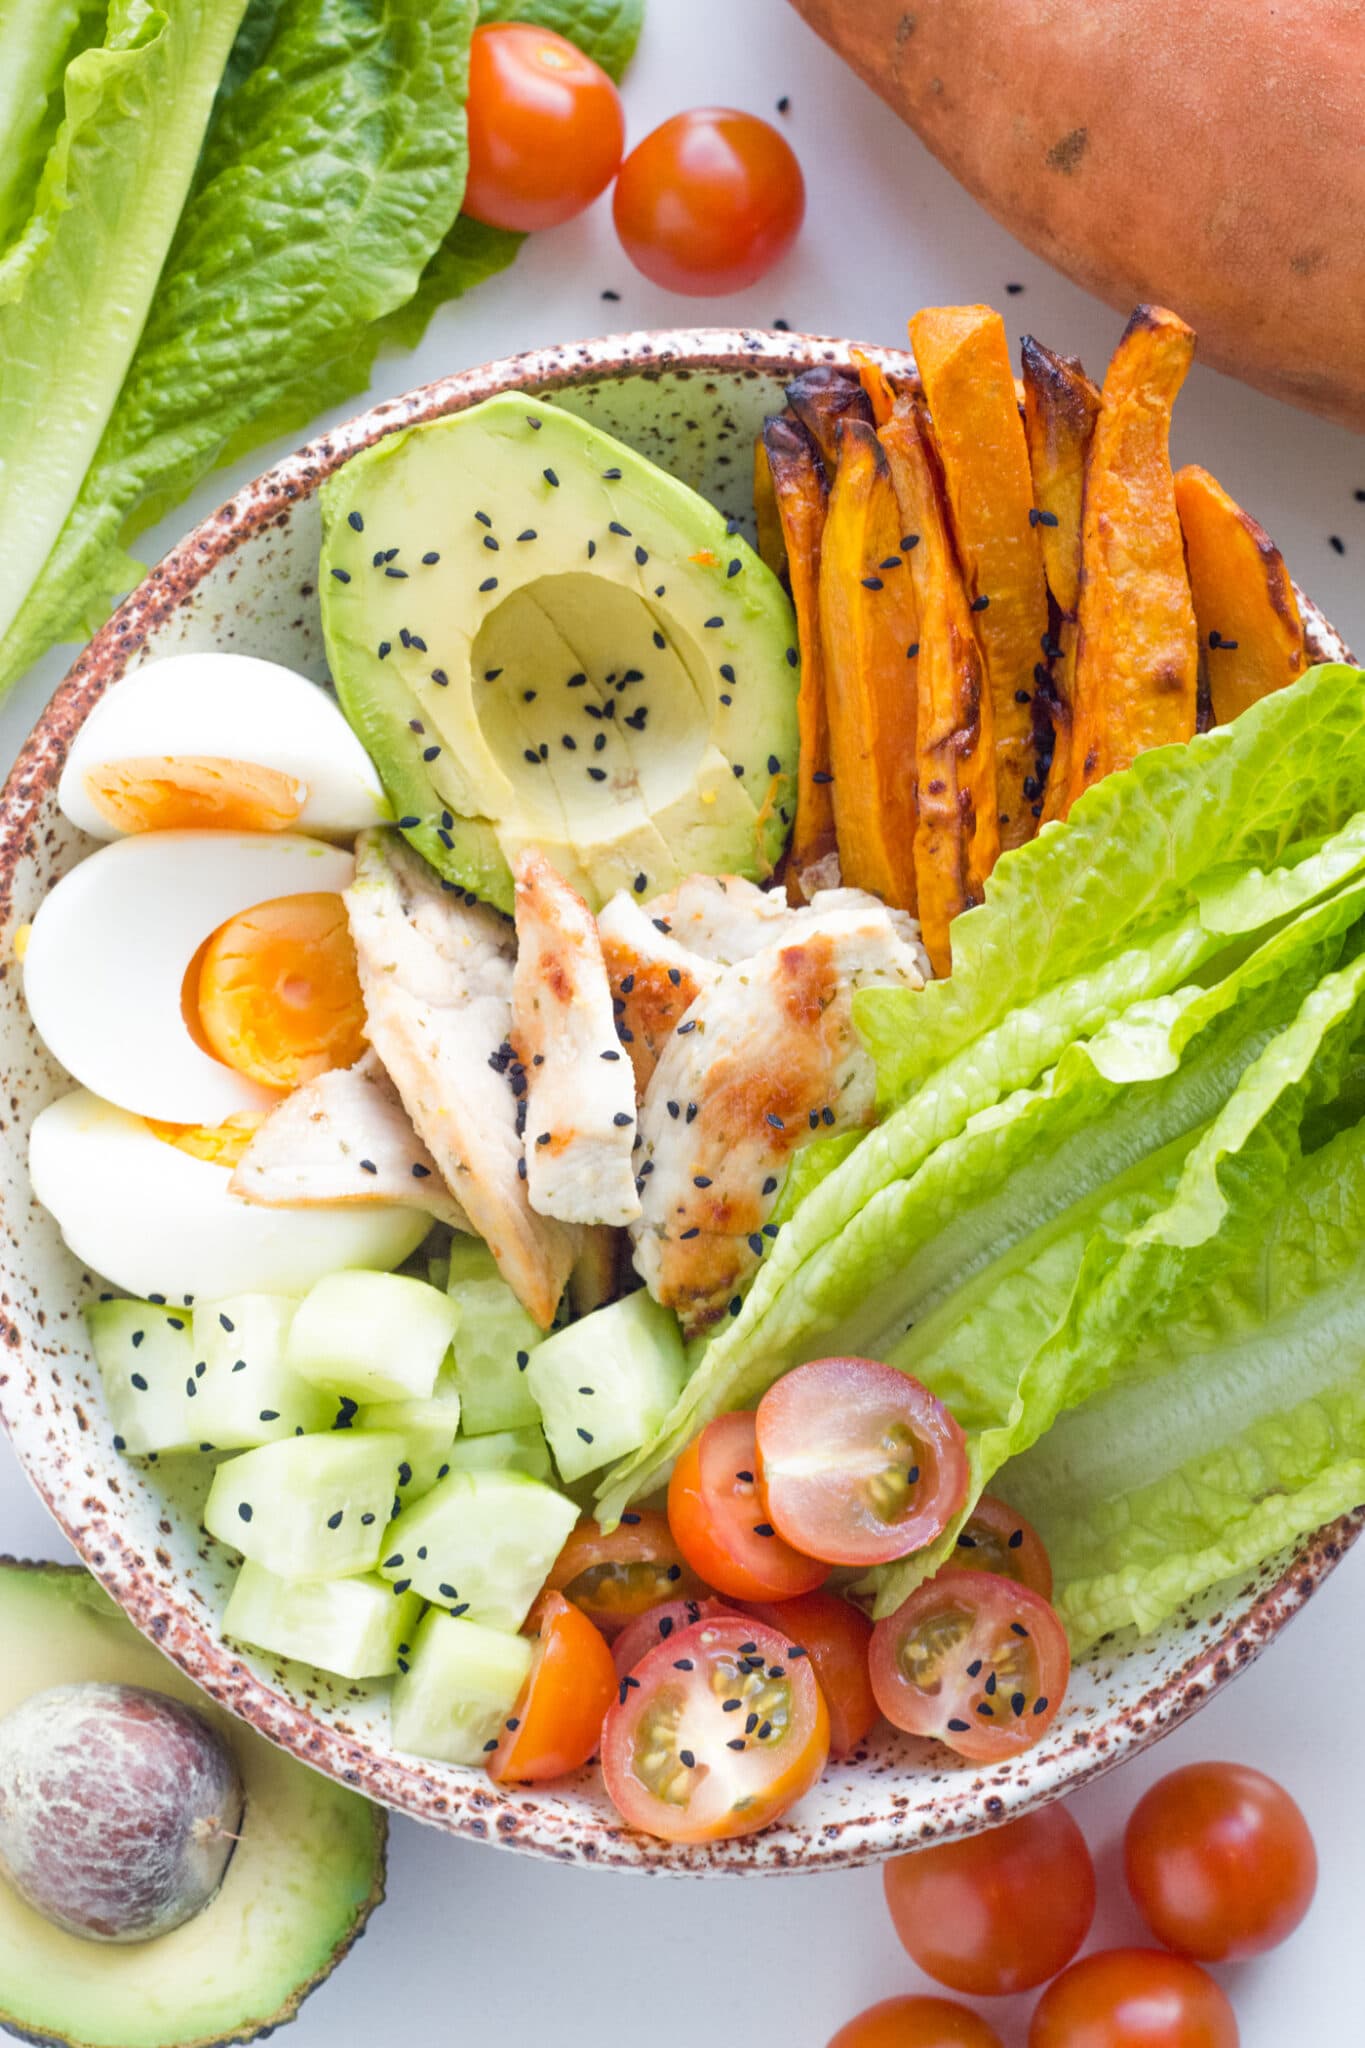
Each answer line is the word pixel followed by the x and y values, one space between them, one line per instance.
pixel 436 973
pixel 580 1108
pixel 722 917
pixel 765 1060
pixel 342 1139
pixel 654 980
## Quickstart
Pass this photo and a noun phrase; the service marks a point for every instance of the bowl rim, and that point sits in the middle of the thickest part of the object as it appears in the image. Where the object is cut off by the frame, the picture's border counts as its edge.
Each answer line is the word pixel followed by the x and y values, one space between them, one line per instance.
pixel 961 1802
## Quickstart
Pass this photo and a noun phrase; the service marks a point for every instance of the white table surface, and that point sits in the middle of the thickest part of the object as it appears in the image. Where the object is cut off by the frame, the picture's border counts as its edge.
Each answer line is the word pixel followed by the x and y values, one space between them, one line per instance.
pixel 480 1946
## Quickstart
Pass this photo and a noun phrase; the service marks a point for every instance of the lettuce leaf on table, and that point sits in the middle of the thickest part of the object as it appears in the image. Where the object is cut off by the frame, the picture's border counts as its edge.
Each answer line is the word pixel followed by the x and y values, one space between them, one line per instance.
pixel 79 274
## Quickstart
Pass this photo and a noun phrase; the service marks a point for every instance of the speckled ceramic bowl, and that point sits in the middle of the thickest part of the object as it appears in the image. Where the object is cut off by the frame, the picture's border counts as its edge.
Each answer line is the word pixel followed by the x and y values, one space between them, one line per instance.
pixel 246 579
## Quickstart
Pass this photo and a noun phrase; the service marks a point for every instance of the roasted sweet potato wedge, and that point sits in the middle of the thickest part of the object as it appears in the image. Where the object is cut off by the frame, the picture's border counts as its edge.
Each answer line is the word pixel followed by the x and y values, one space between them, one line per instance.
pixel 822 399
pixel 1250 631
pixel 877 385
pixel 1061 406
pixel 772 548
pixel 867 627
pixel 964 363
pixel 957 837
pixel 1137 654
pixel 799 495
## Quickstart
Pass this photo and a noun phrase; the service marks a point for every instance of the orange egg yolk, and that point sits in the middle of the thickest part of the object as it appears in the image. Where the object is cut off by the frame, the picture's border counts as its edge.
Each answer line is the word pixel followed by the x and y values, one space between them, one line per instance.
pixel 220 1144
pixel 188 792
pixel 275 991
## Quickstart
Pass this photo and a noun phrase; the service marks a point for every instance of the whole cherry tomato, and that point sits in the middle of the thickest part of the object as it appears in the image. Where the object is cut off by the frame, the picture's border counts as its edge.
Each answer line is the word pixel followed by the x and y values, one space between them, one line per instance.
pixel 546 129
pixel 1220 1861
pixel 915 2022
pixel 709 201
pixel 1133 1998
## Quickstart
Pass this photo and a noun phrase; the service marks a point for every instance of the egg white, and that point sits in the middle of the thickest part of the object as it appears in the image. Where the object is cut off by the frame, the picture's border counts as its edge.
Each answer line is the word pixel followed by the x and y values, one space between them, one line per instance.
pixel 228 707
pixel 154 1220
pixel 106 961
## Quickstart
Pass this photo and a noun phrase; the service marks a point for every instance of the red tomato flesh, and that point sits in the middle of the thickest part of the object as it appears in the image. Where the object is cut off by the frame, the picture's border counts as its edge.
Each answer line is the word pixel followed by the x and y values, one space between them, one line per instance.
pixel 715 1734
pixel 1133 1998
pixel 835 1636
pixel 995 1539
pixel 915 2022
pixel 613 1578
pixel 656 1625
pixel 999 1912
pixel 720 1523
pixel 859 1463
pixel 546 129
pixel 557 1721
pixel 709 201
pixel 976 1660
pixel 1220 1862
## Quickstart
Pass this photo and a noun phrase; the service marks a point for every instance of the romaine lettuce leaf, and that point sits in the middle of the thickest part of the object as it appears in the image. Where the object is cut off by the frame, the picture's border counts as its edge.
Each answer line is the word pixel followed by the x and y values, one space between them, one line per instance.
pixel 607 29
pixel 77 279
pixel 1237 1425
pixel 37 42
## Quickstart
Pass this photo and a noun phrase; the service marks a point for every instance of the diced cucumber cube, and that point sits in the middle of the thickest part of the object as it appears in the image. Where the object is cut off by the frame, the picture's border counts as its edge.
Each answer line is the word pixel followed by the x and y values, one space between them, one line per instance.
pixel 374 1336
pixel 146 1360
pixel 354 1627
pixel 606 1383
pixel 245 1393
pixel 427 1430
pixel 309 1507
pixel 480 1543
pixel 461 1684
pixel 502 1450
pixel 494 1339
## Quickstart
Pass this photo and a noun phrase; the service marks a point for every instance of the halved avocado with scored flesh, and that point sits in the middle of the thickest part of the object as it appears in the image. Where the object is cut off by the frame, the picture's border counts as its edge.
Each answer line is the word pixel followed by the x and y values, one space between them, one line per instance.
pixel 544 639
pixel 303 1880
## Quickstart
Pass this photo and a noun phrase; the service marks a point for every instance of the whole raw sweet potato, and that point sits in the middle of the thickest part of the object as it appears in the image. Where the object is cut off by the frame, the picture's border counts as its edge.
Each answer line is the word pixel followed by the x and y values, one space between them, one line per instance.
pixel 1207 157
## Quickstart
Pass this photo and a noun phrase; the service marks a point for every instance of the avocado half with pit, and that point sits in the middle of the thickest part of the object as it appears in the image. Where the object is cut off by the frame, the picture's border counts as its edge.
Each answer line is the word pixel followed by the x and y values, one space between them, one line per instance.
pixel 303 1880
pixel 543 639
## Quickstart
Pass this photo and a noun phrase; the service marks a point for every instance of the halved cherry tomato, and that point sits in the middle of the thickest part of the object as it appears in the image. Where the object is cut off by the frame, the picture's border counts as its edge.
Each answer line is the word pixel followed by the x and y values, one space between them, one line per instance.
pixel 715 1734
pixel 999 1912
pixel 721 1524
pixel 613 1578
pixel 835 1635
pixel 556 1723
pixel 978 1661
pixel 859 1463
pixel 546 129
pixel 656 1625
pixel 1220 1862
pixel 916 2022
pixel 995 1539
pixel 709 201
pixel 1133 1998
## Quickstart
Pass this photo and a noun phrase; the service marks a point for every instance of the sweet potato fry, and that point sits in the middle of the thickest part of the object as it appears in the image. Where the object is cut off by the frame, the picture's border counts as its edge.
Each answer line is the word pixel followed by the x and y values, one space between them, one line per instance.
pixel 1060 409
pixel 772 548
pixel 877 385
pixel 963 359
pixel 822 399
pixel 799 496
pixel 1137 654
pixel 957 837
pixel 1250 631
pixel 867 624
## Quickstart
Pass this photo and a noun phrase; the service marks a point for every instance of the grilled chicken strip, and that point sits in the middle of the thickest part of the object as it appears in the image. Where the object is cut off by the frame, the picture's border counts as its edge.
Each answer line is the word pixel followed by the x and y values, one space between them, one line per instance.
pixel 436 973
pixel 661 955
pixel 765 1060
pixel 580 1108
pixel 342 1139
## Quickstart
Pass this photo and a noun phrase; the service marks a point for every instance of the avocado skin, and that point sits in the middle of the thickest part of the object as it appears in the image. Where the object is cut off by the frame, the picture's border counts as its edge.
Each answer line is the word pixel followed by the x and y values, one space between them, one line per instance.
pixel 495 580
pixel 68 1594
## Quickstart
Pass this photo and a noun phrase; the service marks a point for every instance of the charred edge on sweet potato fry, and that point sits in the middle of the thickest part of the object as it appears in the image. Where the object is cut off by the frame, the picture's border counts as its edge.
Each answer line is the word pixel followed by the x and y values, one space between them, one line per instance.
pixel 1251 638
pixel 957 838
pixel 868 620
pixel 963 358
pixel 1137 652
pixel 800 497
pixel 1061 406
pixel 822 399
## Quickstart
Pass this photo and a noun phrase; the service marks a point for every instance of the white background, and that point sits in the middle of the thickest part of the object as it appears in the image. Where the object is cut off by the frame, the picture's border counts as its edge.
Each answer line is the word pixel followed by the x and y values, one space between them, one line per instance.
pixel 478 1946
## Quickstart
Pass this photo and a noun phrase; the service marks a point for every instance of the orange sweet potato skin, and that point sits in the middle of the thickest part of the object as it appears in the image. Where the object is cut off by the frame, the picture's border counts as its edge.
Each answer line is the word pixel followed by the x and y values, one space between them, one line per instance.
pixel 1248 618
pixel 1058 118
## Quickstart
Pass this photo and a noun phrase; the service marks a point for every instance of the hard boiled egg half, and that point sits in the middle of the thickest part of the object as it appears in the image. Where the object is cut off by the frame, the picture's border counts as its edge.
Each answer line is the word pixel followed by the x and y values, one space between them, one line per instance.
pixel 218 741
pixel 152 1215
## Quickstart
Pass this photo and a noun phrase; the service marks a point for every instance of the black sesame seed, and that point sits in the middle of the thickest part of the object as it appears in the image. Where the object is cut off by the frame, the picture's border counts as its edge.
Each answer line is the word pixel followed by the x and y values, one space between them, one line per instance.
pixel 489 583
pixel 622 1118
pixel 489 542
pixel 689 1025
pixel 912 650
pixel 615 526
pixel 770 1185
pixel 792 657
pixel 713 622
pixel 979 603
pixel 355 522
pixel 342 575
pixel 567 740
pixel 1040 1706
pixel 1336 543
pixel 599 742
pixel 1023 697
pixel 774 765
pixel 738 1743
pixel 1017 1628
pixel 784 105
pixel 873 583
pixel 269 1415
pixel 756 1245
pixel 598 774
pixel 957 1727
pixel 438 675
pixel 430 559
pixel 551 478
pixel 399 575
pixel 609 1055
pixel 736 1305
pixel 822 775
pixel 686 1235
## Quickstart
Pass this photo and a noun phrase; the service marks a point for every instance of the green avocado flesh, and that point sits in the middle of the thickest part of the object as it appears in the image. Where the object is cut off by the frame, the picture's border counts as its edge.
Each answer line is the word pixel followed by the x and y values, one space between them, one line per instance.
pixel 301 1884
pixel 543 639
